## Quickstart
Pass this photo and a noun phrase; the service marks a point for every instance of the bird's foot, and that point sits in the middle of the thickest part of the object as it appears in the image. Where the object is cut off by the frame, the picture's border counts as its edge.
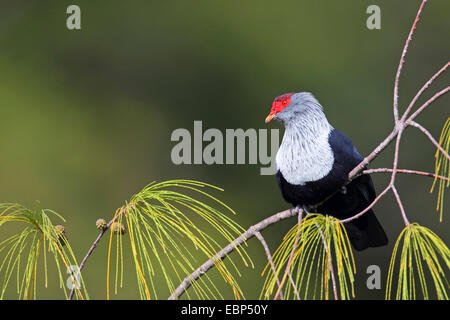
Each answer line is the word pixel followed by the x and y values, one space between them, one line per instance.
pixel 306 209
pixel 299 213
pixel 300 210
pixel 343 190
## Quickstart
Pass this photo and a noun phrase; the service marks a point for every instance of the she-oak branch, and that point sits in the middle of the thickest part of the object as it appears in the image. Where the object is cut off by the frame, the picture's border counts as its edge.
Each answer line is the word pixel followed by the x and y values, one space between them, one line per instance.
pixel 401 123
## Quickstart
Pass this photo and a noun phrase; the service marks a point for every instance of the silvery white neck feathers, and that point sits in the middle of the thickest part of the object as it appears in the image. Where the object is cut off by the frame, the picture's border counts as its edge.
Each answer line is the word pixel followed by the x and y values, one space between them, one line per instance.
pixel 305 153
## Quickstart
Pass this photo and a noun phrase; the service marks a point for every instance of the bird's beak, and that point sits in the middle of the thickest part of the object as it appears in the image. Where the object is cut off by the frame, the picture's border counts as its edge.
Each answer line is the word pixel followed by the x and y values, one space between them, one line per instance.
pixel 270 117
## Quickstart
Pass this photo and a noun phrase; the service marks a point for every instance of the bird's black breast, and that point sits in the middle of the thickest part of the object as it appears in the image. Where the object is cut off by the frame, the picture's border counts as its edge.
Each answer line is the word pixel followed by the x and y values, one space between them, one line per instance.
pixel 312 192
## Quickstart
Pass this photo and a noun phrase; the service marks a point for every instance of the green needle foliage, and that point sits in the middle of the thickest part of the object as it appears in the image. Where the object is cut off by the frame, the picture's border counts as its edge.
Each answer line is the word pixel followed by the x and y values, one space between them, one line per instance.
pixel 20 253
pixel 165 229
pixel 442 167
pixel 322 243
pixel 421 250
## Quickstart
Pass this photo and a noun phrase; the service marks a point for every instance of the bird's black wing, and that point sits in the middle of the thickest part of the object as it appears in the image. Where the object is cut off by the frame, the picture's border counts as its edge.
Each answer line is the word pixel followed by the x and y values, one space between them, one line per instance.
pixel 364 231
pixel 348 157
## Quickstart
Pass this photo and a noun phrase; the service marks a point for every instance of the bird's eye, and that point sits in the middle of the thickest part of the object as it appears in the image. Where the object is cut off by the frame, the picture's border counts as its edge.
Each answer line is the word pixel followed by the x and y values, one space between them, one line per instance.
pixel 284 102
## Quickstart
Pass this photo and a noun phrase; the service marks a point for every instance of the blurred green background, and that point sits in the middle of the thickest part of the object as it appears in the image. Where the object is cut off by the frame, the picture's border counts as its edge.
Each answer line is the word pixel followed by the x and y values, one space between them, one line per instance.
pixel 86 116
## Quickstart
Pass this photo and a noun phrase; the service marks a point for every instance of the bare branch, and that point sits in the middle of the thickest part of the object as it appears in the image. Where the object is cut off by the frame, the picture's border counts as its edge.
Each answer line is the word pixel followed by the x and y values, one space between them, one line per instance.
pixel 187 282
pixel 429 101
pixel 356 216
pixel 402 59
pixel 95 243
pixel 425 86
pixel 259 236
pixel 333 279
pixel 400 205
pixel 393 176
pixel 396 153
pixel 430 137
pixel 294 247
pixel 373 154
pixel 405 171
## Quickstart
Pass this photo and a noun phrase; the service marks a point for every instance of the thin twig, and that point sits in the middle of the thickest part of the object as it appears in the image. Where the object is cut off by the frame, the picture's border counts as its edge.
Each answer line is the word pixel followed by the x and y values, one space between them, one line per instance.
pixel 394 174
pixel 259 236
pixel 330 261
pixel 400 205
pixel 291 257
pixel 405 171
pixel 396 155
pixel 93 246
pixel 430 137
pixel 356 216
pixel 428 102
pixel 402 60
pixel 372 155
pixel 425 86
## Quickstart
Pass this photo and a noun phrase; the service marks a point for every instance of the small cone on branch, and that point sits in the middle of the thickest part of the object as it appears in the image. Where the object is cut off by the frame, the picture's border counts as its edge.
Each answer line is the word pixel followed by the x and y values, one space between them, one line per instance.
pixel 60 231
pixel 118 228
pixel 101 224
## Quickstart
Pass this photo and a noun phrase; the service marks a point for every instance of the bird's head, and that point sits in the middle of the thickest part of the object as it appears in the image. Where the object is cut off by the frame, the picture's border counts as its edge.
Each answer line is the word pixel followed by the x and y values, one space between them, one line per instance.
pixel 295 107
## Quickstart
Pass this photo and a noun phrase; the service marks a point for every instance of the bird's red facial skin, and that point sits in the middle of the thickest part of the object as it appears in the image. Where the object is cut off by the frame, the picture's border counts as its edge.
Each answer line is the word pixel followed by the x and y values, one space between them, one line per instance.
pixel 279 104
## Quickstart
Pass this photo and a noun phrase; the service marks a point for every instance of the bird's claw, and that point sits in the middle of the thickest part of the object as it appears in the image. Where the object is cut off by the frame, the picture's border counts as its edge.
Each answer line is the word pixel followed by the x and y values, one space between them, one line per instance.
pixel 306 210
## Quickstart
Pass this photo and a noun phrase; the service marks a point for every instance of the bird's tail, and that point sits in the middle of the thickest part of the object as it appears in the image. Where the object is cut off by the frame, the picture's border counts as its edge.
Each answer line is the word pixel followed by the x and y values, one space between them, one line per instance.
pixel 365 232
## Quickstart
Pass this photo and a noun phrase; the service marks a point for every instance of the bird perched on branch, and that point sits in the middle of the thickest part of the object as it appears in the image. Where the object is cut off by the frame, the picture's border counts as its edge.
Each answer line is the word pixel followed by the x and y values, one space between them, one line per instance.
pixel 313 163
